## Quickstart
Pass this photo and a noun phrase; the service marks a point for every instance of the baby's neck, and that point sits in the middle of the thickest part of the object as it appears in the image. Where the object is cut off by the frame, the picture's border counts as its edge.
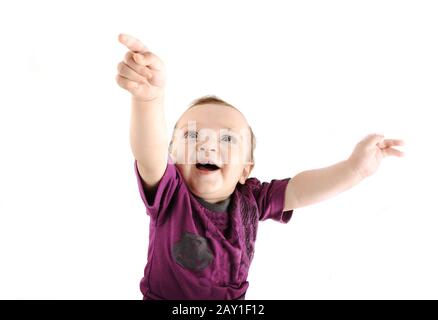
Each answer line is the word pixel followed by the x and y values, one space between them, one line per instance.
pixel 214 200
pixel 220 206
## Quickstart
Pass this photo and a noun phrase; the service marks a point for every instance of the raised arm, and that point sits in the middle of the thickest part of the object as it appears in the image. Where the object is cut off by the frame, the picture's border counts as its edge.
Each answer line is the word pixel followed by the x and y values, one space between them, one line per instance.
pixel 312 186
pixel 142 74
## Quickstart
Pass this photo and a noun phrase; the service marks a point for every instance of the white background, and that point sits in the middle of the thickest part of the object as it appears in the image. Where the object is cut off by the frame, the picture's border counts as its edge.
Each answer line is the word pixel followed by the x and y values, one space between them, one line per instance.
pixel 312 77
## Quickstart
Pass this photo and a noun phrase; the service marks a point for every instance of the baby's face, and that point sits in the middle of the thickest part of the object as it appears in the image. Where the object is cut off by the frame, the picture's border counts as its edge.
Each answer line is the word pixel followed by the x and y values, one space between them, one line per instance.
pixel 211 148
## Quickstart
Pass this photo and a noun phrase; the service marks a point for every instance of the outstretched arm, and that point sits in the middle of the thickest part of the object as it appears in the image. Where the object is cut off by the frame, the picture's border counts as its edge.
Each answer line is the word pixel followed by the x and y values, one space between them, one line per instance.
pixel 312 186
pixel 142 74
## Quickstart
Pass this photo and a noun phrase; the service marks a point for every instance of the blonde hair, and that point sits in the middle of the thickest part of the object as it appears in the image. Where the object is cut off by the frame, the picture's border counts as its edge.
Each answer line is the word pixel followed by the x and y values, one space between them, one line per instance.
pixel 212 99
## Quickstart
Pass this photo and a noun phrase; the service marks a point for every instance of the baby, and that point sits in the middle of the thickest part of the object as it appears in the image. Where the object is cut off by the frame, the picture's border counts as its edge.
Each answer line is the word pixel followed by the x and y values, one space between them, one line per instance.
pixel 203 207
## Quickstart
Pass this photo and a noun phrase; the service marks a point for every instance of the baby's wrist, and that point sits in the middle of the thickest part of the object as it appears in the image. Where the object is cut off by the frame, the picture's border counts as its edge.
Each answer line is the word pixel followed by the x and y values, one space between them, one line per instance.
pixel 354 169
pixel 152 101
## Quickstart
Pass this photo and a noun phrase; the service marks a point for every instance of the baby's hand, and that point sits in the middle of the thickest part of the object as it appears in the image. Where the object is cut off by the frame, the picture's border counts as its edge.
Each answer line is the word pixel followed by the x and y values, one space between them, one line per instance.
pixel 369 152
pixel 141 72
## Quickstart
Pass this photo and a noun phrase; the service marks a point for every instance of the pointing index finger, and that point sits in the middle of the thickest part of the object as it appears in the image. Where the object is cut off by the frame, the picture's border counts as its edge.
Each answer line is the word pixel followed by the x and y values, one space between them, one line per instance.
pixel 132 43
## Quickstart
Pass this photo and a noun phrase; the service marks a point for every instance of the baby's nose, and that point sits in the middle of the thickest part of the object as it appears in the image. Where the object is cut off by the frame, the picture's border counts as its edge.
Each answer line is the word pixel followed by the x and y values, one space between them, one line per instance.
pixel 209 148
pixel 208 145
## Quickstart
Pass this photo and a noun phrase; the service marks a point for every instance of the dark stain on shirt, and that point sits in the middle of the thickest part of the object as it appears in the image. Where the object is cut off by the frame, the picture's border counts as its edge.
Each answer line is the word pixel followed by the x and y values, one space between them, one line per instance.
pixel 192 252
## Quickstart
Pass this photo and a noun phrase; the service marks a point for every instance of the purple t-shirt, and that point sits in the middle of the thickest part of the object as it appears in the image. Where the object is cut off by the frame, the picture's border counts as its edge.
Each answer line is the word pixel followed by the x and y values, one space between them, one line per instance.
pixel 189 256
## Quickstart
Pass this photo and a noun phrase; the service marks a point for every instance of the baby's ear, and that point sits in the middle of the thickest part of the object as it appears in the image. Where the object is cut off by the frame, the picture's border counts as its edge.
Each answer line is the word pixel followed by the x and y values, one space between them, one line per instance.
pixel 170 151
pixel 246 172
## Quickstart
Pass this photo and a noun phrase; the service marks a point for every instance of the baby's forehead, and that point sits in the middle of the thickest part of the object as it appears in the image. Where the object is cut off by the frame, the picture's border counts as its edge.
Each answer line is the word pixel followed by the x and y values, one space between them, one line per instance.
pixel 214 117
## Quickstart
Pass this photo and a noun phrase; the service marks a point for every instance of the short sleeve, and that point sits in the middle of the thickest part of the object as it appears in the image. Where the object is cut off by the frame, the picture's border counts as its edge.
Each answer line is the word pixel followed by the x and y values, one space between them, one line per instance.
pixel 270 197
pixel 164 191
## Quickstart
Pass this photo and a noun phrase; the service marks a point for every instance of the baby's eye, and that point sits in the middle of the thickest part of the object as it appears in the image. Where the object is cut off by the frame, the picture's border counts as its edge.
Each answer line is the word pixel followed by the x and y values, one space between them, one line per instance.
pixel 191 135
pixel 227 138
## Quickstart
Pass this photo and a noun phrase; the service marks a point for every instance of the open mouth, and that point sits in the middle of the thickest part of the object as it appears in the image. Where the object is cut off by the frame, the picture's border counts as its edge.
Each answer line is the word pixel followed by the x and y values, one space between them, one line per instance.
pixel 207 166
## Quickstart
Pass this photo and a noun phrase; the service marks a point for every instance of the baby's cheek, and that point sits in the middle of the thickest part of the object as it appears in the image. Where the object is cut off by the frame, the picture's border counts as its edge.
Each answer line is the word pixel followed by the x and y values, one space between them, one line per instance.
pixel 231 154
pixel 178 154
pixel 183 154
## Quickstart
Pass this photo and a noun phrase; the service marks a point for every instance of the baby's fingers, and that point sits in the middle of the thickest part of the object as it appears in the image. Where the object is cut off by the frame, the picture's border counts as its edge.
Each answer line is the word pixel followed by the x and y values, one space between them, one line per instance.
pixel 141 70
pixel 393 152
pixel 132 43
pixel 126 83
pixel 148 59
pixel 147 65
pixel 391 143
pixel 126 72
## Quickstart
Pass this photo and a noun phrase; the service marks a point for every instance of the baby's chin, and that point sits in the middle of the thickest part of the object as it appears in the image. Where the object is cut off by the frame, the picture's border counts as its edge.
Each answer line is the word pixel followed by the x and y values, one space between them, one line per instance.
pixel 207 189
pixel 204 189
